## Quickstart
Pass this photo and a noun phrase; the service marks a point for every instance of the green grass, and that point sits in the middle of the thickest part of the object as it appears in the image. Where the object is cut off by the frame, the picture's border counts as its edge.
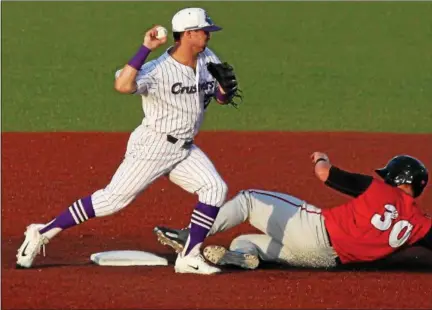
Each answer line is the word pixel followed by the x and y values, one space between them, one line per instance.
pixel 302 66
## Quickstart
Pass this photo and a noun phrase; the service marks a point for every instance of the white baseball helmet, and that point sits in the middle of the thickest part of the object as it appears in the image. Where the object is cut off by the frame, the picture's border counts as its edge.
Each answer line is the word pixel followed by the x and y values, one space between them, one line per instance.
pixel 193 19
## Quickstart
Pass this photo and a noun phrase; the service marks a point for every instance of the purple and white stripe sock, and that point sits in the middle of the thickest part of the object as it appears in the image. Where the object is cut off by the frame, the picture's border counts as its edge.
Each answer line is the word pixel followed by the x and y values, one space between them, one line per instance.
pixel 201 222
pixel 79 212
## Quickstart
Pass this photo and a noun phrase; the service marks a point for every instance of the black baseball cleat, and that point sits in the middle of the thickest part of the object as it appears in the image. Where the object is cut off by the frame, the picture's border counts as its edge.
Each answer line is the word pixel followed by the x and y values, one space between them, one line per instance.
pixel 174 238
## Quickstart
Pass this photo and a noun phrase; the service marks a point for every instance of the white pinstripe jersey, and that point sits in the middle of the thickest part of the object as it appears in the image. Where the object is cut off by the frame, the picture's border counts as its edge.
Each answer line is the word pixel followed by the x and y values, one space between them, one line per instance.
pixel 174 98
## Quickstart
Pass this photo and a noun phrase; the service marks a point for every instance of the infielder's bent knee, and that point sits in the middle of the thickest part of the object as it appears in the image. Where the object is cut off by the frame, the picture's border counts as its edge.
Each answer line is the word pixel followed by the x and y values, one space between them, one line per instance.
pixel 105 202
pixel 215 194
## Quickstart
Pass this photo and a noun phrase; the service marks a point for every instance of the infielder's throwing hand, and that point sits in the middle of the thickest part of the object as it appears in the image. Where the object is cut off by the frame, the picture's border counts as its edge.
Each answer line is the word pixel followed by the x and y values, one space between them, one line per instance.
pixel 150 40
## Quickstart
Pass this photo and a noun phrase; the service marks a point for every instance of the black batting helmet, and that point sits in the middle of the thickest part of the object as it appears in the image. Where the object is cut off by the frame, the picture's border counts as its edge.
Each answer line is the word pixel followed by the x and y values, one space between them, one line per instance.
pixel 404 169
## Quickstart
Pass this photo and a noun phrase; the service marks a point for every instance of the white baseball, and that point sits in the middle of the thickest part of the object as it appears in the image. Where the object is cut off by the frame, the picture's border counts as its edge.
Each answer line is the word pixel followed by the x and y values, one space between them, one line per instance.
pixel 161 32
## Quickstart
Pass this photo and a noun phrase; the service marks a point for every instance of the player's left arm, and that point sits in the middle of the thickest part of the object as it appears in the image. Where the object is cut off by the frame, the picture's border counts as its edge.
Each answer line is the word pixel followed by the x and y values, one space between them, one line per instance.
pixel 224 76
pixel 352 184
pixel 219 93
pixel 227 85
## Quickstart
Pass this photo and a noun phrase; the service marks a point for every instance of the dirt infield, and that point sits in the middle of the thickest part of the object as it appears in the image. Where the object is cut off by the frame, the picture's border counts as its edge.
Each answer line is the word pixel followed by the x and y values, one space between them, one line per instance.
pixel 43 173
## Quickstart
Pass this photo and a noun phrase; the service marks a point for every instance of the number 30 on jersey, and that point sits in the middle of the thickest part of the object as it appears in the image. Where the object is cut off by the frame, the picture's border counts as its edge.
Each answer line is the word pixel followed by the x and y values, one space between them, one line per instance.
pixel 384 222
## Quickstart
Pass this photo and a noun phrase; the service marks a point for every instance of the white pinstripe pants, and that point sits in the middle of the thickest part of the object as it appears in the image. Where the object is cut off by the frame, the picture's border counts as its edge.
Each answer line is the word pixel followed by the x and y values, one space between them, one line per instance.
pixel 149 156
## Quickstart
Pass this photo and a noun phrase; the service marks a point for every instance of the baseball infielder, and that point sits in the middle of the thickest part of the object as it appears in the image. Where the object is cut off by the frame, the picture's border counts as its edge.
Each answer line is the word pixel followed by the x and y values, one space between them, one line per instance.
pixel 381 219
pixel 175 90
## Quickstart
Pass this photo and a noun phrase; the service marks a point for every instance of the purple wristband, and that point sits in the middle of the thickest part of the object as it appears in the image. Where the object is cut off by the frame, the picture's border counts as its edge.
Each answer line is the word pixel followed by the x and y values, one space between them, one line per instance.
pixel 138 60
pixel 221 97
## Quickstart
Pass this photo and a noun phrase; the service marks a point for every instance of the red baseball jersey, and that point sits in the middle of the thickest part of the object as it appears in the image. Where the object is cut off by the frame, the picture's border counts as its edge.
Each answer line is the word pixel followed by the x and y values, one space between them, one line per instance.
pixel 375 224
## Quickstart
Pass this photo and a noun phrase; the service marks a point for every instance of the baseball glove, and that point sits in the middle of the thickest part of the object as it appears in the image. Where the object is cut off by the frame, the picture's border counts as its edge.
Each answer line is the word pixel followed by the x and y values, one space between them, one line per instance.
pixel 224 75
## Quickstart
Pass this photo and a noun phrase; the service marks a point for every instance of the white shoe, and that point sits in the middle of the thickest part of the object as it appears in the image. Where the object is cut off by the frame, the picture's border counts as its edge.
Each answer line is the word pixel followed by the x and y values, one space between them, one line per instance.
pixel 218 255
pixel 31 246
pixel 193 264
